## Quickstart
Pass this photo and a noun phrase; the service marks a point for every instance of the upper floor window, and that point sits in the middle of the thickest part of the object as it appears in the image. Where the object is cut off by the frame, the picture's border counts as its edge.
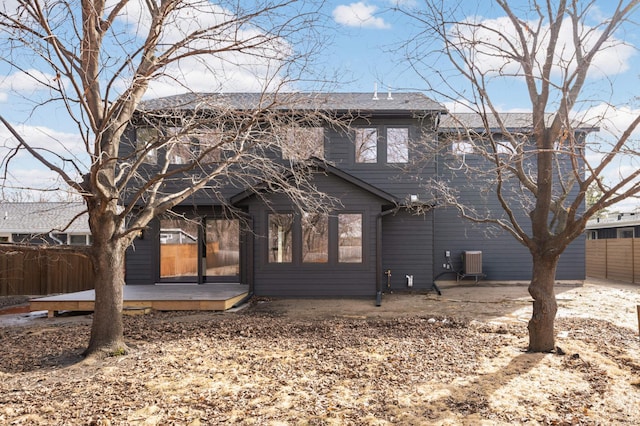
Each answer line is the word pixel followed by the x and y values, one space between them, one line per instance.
pixel 369 145
pixel 460 146
pixel 366 145
pixel 302 143
pixel 209 144
pixel 179 147
pixel 397 145
pixel 504 145
pixel 146 137
pixel 479 144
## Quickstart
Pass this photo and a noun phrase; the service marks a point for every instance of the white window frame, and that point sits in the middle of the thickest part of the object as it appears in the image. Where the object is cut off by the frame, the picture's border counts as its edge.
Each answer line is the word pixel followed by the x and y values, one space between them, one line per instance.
pixel 621 231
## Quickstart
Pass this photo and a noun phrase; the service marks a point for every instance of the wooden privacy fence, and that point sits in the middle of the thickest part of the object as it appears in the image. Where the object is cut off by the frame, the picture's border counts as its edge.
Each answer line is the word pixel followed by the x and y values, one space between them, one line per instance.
pixel 40 271
pixel 614 259
pixel 182 259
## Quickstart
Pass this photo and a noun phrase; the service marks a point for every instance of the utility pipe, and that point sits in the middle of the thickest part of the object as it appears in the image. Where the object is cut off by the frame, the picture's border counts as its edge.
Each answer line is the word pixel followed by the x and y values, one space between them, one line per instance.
pixel 379 252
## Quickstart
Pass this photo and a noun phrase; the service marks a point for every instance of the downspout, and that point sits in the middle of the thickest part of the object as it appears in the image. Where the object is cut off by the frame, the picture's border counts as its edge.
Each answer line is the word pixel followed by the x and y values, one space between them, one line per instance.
pixel 379 252
pixel 55 239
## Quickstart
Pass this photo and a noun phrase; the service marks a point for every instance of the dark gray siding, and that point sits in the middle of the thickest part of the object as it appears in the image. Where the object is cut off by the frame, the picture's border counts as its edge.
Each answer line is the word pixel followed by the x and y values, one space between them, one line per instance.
pixel 400 180
pixel 217 192
pixel 504 258
pixel 143 257
pixel 317 280
pixel 407 249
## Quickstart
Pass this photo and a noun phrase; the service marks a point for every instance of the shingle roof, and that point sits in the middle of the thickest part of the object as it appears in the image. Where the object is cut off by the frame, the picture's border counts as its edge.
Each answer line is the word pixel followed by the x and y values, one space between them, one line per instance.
pixel 398 102
pixel 511 120
pixel 37 218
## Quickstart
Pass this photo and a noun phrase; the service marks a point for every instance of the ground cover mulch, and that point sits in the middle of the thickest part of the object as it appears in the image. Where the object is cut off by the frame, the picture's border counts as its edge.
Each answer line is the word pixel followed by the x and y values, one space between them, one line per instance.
pixel 256 368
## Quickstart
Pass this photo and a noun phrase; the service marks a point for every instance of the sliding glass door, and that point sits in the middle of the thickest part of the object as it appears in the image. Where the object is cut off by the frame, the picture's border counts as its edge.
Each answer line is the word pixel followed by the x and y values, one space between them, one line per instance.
pixel 222 253
pixel 178 249
pixel 215 243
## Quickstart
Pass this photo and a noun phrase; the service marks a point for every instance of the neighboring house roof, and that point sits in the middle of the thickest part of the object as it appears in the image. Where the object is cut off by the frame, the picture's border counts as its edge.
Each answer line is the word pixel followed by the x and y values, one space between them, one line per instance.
pixel 512 121
pixel 40 218
pixel 615 220
pixel 354 102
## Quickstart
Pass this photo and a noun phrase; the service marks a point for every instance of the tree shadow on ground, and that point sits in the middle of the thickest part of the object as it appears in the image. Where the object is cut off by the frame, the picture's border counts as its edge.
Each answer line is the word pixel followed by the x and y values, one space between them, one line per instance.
pixel 472 400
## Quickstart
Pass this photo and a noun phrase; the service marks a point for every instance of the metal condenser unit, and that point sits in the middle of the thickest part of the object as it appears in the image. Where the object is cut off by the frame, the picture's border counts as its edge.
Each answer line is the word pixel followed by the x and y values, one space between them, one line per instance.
pixel 472 262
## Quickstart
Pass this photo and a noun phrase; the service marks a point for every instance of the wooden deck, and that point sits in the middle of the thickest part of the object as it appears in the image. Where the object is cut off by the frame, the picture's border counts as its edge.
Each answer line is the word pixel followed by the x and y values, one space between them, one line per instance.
pixel 161 297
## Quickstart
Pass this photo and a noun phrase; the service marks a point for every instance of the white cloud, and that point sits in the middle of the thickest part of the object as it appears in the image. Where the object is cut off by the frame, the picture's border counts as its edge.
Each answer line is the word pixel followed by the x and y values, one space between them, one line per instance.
pixel 31 178
pixel 9 5
pixel 359 14
pixel 486 42
pixel 46 140
pixel 254 69
pixel 612 120
pixel 24 171
pixel 26 83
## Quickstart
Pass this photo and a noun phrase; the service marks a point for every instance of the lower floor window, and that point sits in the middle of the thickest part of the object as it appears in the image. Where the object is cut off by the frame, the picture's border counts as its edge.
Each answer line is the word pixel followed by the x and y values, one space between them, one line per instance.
pixel 280 238
pixel 315 238
pixel 350 238
pixel 625 233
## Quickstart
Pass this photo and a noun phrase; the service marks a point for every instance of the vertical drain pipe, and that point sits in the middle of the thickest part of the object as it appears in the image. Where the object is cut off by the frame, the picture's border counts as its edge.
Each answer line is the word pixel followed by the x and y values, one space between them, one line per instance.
pixel 379 253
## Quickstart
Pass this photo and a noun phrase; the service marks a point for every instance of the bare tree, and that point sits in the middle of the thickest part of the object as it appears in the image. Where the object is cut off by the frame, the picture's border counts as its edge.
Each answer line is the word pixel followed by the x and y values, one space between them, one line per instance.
pixel 538 171
pixel 100 59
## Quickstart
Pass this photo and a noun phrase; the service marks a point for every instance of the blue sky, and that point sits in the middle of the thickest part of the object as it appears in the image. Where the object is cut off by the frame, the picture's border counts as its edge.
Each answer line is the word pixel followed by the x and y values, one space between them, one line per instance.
pixel 365 49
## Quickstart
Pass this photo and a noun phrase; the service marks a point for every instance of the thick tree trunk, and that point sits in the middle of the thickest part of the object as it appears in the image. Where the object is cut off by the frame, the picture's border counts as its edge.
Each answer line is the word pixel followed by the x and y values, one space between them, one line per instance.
pixel 107 326
pixel 541 325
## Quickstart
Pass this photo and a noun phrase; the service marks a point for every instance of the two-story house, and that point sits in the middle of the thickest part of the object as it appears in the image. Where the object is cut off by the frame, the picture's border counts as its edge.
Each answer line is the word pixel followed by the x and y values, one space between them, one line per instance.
pixel 385 234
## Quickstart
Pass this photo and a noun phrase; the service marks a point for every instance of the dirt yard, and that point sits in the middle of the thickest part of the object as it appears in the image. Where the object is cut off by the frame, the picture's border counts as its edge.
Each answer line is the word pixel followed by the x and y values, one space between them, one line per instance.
pixel 418 359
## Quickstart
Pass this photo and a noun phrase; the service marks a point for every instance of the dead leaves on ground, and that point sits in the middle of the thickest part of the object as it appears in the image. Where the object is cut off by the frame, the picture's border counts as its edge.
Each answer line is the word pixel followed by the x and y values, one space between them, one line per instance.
pixel 246 368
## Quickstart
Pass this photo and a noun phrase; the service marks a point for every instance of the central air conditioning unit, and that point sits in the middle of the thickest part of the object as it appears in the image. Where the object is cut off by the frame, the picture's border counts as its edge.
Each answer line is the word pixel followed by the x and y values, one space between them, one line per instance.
pixel 472 261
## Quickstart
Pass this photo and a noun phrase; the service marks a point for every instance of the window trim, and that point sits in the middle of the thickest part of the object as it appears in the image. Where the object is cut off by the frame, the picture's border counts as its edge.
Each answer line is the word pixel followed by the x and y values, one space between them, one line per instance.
pixel 620 232
pixel 87 239
pixel 333 241
pixel 294 227
pixel 362 239
pixel 325 240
